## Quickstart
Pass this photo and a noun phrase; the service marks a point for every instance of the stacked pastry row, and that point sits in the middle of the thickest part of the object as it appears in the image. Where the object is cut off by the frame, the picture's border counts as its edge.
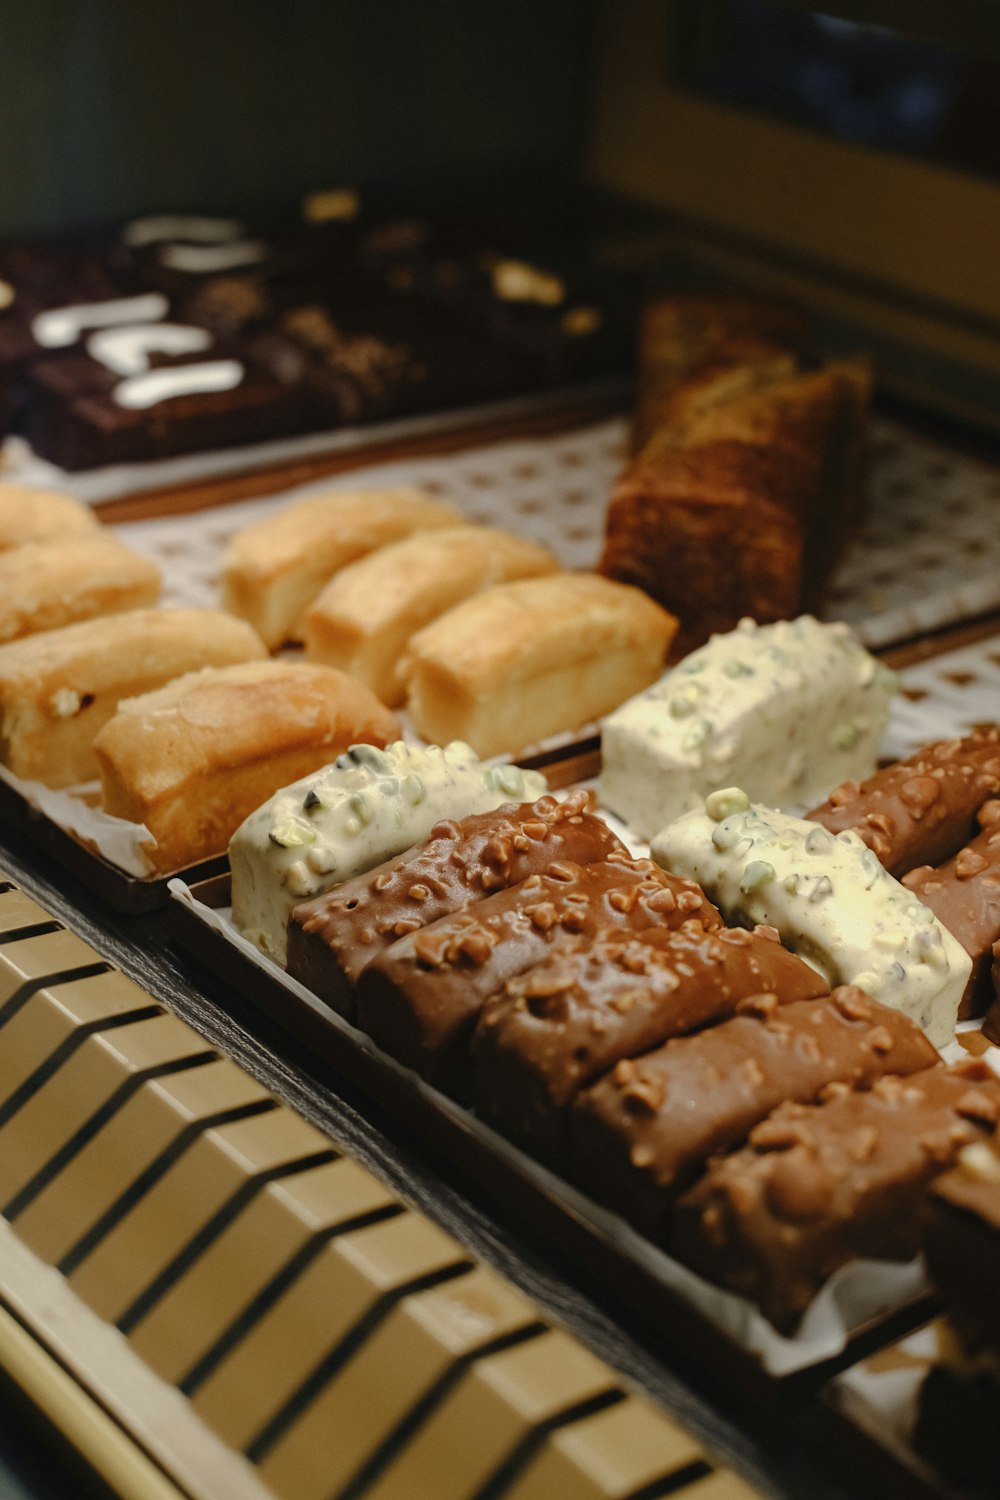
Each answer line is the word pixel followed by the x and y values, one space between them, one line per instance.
pixel 190 725
pixel 764 1124
pixel 179 712
pixel 478 631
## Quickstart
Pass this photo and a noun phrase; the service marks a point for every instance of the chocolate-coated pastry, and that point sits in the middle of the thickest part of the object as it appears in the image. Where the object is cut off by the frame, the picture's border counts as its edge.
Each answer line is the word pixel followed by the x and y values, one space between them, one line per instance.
pixel 554 1029
pixel 964 895
pixel 820 1184
pixel 420 1001
pixel 332 937
pixel 919 811
pixel 638 1136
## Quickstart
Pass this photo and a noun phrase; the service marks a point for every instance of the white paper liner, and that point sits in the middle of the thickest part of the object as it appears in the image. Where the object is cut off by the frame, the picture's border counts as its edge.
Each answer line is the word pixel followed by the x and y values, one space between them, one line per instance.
pixel 118 841
pixel 855 1296
pixel 882 1397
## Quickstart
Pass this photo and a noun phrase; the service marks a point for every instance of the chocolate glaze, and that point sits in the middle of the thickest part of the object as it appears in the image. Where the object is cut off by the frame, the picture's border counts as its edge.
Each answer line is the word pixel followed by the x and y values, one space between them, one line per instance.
pixel 818 1185
pixel 922 810
pixel 557 1027
pixel 964 895
pixel 641 1133
pixel 332 937
pixel 422 998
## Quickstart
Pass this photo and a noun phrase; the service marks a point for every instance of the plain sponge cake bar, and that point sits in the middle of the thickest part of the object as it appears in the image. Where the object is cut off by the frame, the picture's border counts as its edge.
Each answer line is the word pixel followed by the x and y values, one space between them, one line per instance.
pixel 525 660
pixel 60 687
pixel 44 585
pixel 364 618
pixel 33 515
pixel 196 757
pixel 274 569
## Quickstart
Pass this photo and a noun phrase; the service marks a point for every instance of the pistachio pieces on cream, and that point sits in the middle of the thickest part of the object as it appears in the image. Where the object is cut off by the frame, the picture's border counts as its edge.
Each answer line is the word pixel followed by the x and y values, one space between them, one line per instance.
pixel 350 816
pixel 830 900
pixel 788 710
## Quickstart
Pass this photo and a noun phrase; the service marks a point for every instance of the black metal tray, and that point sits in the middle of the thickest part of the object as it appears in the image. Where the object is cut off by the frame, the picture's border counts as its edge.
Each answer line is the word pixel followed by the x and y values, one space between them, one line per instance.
pixel 596 1246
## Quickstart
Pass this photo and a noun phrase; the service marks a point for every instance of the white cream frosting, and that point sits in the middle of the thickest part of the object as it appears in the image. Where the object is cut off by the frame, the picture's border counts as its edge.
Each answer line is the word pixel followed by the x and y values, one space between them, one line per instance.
pixel 830 900
pixel 350 816
pixel 789 710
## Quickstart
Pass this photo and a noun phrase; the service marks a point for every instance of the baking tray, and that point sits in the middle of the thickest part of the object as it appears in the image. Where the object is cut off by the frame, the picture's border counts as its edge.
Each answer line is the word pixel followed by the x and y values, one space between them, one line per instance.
pixel 130 895
pixel 652 1291
pixel 871 1410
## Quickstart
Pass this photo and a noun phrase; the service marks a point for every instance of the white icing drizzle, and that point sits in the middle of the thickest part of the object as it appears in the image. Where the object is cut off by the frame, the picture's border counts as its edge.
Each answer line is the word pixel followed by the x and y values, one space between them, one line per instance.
pixel 58 327
pixel 126 350
pixel 201 228
pixel 201 259
pixel 140 391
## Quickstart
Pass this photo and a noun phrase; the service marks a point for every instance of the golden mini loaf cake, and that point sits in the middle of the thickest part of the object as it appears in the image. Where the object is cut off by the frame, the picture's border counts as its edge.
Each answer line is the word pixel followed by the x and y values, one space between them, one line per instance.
pixel 59 688
pixel 33 515
pixel 525 660
pixel 273 570
pixel 364 618
pixel 193 759
pixel 47 584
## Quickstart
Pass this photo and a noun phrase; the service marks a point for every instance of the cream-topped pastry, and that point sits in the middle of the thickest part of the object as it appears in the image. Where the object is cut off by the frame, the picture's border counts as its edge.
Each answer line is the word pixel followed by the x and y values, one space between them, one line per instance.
pixel 830 900
pixel 788 709
pixel 367 806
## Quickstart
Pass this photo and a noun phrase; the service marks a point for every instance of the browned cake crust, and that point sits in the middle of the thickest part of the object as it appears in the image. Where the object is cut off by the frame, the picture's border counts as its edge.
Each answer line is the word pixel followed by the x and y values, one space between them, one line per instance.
pixel 819 1185
pixel 421 999
pixel 332 937
pixel 556 1028
pixel 737 503
pixel 919 811
pixel 964 895
pixel 681 335
pixel 639 1136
